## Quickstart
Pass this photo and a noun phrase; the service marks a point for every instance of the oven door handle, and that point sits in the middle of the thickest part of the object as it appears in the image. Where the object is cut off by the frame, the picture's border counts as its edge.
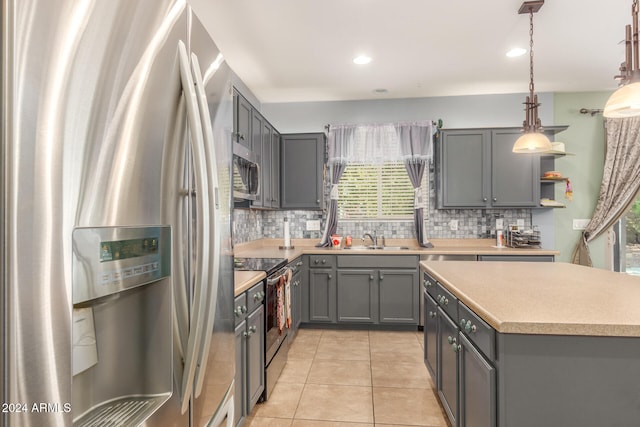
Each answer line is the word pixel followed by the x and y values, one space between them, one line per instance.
pixel 272 280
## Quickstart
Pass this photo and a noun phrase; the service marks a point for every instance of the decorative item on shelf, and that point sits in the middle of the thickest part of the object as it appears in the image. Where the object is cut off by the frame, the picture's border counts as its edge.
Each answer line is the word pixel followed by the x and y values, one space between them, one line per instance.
pixel 558 149
pixel 550 203
pixel 533 140
pixel 568 192
pixel 287 235
pixel 625 102
pixel 516 238
pixel 336 241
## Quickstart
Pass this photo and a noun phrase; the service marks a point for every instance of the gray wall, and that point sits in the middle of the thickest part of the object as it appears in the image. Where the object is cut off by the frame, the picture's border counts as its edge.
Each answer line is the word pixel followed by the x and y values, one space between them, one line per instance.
pixel 455 111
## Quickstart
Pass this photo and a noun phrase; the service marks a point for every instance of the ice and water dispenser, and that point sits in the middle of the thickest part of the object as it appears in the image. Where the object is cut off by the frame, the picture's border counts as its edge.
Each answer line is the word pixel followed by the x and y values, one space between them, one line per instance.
pixel 122 324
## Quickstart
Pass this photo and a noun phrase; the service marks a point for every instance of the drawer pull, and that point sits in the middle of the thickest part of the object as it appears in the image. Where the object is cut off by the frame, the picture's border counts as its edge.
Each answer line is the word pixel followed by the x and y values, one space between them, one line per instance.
pixel 299 263
pixel 456 347
pixel 451 339
pixel 468 326
pixel 432 314
pixel 324 261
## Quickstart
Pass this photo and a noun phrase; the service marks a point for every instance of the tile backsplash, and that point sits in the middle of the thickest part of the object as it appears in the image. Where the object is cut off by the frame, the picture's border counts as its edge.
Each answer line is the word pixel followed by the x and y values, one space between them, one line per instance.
pixel 471 223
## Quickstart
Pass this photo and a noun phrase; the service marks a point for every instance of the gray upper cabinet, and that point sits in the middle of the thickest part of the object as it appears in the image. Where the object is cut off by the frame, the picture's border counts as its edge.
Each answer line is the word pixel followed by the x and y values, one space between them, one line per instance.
pixel 243 117
pixel 257 122
pixel 275 169
pixel 463 169
pixel 301 170
pixel 476 169
pixel 514 177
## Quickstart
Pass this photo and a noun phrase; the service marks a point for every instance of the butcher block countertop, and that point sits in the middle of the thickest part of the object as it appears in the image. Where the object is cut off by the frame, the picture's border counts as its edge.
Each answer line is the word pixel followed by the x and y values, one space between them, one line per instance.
pixel 544 298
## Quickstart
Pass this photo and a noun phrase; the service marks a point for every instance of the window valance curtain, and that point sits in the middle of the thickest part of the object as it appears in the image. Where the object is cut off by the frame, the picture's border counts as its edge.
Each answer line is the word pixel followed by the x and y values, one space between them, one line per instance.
pixel 381 142
pixel 409 142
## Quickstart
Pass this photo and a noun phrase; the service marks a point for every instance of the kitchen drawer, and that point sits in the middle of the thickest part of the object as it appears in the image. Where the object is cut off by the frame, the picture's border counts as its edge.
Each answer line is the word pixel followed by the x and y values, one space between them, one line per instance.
pixel 240 307
pixel 323 261
pixel 255 296
pixel 429 283
pixel 447 301
pixel 478 331
pixel 295 265
pixel 378 261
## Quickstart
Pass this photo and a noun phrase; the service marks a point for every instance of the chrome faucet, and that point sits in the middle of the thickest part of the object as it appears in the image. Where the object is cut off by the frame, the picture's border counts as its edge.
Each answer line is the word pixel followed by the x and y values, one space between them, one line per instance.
pixel 374 238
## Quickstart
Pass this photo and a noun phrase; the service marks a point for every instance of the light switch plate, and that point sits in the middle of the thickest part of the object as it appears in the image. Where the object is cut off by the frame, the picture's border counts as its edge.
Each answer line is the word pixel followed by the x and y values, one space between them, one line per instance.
pixel 520 224
pixel 453 225
pixel 313 225
pixel 580 224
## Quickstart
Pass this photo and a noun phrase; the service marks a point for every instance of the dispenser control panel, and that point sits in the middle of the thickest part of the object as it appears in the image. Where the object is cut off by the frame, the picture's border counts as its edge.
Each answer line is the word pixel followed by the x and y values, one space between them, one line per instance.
pixel 107 260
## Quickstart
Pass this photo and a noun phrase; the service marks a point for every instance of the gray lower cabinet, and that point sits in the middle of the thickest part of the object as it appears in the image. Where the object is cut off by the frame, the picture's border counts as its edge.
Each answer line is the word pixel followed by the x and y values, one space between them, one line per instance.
pixel 399 296
pixel 296 286
pixel 477 382
pixel 459 353
pixel 378 289
pixel 250 352
pixel 321 290
pixel 448 365
pixel 357 296
pixel 517 258
pixel 430 334
pixel 301 170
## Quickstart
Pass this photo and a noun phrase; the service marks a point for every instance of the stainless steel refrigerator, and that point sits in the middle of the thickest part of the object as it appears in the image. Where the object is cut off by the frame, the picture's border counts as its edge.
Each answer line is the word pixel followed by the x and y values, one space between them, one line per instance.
pixel 116 267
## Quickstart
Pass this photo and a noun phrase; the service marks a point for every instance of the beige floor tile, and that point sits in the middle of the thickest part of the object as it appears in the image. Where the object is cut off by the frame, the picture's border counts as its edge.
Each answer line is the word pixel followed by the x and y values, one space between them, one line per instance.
pixel 282 402
pixel 392 337
pixel 342 349
pixel 336 403
pixel 340 372
pixel 304 347
pixel 268 422
pixel 406 352
pixel 354 335
pixel 310 423
pixel 398 374
pixel 295 371
pixel 405 406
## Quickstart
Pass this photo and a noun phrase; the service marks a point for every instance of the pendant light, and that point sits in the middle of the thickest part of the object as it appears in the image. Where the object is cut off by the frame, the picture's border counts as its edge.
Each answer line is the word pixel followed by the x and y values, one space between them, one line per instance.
pixel 533 140
pixel 625 102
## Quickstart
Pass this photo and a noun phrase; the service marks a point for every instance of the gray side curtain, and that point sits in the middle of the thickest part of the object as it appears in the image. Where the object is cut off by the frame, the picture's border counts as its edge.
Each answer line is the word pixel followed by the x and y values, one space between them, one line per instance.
pixel 416 145
pixel 337 168
pixel 620 182
pixel 415 170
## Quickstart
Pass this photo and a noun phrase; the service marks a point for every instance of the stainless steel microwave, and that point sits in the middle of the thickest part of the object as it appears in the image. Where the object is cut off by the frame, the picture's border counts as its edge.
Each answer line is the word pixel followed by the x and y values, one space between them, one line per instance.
pixel 246 173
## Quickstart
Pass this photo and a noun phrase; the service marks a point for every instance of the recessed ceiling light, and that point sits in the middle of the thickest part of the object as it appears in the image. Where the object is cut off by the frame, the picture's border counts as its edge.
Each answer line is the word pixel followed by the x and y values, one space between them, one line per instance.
pixel 362 59
pixel 516 51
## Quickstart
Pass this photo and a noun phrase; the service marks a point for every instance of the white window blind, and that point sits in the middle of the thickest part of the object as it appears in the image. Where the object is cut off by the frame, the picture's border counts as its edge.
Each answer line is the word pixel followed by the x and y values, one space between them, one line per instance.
pixel 380 191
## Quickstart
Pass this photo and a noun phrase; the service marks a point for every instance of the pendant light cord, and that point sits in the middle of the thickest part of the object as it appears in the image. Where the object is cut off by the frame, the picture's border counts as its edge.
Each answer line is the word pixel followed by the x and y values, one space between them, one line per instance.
pixel 531 87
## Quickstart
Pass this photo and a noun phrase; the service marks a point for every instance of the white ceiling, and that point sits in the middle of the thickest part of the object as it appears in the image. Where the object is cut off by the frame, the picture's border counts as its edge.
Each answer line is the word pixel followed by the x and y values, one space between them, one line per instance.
pixel 302 50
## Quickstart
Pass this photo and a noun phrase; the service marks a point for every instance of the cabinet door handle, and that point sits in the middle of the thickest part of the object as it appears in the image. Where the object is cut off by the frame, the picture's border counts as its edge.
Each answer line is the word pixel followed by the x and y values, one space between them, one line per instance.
pixel 299 263
pixel 381 276
pixel 451 339
pixel 371 277
pixel 318 201
pixel 432 314
pixel 330 276
pixel 495 199
pixel 456 347
pixel 253 329
pixel 484 199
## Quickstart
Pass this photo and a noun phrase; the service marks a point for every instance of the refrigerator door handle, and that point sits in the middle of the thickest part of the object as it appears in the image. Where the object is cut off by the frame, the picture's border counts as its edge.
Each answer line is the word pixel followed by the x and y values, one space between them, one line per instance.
pixel 198 313
pixel 212 172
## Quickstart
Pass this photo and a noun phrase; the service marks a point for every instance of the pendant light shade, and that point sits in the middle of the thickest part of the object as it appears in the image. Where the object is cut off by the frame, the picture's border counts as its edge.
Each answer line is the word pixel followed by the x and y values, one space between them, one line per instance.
pixel 625 102
pixel 533 140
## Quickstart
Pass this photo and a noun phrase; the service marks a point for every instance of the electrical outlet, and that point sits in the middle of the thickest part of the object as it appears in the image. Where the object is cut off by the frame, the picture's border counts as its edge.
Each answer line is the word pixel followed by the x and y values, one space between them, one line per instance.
pixel 520 224
pixel 313 225
pixel 453 225
pixel 580 224
pixel 499 223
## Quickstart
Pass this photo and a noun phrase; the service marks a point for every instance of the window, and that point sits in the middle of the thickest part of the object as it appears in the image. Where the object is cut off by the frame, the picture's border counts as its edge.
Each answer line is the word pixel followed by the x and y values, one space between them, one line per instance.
pixel 627 245
pixel 380 191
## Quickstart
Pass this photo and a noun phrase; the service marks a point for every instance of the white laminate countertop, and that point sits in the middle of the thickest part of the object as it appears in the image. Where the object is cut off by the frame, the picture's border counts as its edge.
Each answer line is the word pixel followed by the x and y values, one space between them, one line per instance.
pixel 544 298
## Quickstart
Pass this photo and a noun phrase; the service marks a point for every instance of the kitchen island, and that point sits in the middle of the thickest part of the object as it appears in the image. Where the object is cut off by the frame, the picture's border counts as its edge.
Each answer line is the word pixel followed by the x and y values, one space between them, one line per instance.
pixel 531 344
